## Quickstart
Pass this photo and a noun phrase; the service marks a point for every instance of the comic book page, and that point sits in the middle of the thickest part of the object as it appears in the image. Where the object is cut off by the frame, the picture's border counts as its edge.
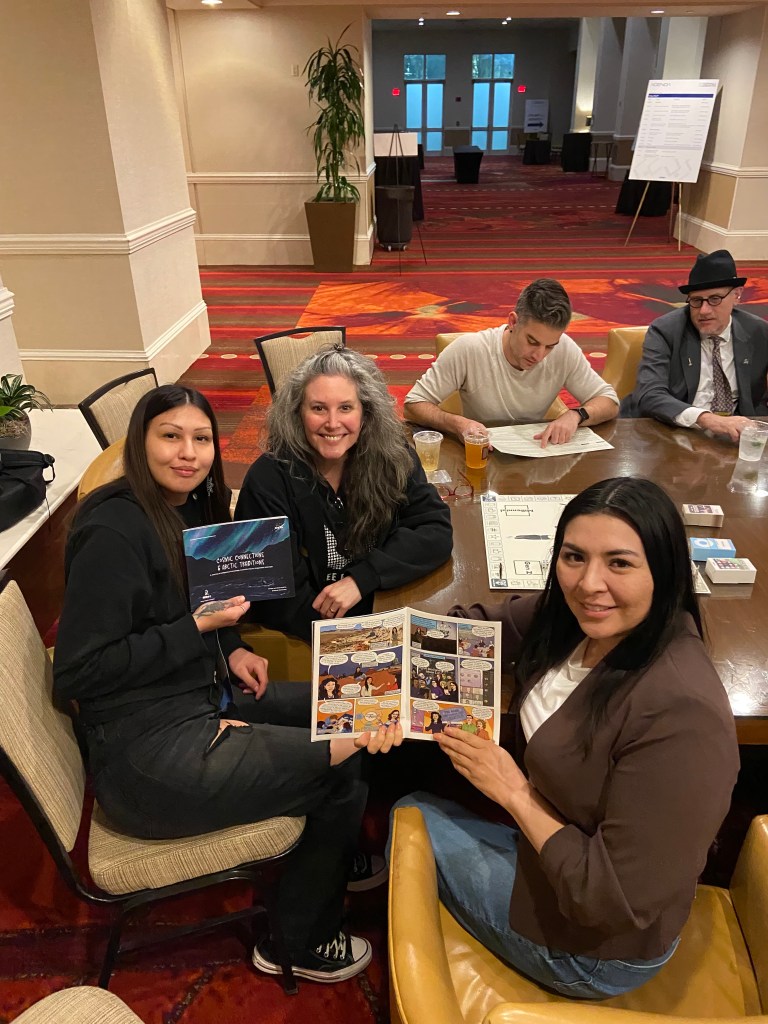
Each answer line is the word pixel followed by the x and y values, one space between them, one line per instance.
pixel 455 676
pixel 357 672
pixel 427 671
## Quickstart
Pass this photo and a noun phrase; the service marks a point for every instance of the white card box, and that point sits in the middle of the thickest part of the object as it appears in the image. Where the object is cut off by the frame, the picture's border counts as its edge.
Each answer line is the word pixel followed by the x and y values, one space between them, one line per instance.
pixel 703 515
pixel 730 570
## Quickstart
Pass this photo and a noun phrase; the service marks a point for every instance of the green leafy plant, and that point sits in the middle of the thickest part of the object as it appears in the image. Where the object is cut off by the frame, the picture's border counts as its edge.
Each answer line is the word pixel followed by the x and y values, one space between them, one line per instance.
pixel 335 83
pixel 17 398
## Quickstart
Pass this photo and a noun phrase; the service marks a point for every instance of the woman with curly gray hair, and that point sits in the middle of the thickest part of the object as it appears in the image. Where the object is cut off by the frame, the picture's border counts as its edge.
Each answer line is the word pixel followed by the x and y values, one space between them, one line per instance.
pixel 363 516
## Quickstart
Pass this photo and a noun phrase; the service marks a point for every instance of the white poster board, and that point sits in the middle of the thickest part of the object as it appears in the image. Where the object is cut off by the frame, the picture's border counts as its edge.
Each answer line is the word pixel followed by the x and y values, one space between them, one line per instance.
pixel 673 129
pixel 395 144
pixel 536 116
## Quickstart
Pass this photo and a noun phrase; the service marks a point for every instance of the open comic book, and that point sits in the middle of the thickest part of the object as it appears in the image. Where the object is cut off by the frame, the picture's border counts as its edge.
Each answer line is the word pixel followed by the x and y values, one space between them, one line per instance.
pixel 427 670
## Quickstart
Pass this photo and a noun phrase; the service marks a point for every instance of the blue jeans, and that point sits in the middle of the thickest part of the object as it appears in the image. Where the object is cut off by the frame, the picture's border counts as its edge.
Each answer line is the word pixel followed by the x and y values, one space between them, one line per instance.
pixel 476 863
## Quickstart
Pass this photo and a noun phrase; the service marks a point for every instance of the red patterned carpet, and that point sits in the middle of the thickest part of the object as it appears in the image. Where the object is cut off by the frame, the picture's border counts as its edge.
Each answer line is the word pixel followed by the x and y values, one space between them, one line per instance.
pixel 483 244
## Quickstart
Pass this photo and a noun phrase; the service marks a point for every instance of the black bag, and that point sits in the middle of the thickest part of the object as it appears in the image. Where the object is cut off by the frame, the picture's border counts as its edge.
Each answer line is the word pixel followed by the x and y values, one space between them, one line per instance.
pixel 22 484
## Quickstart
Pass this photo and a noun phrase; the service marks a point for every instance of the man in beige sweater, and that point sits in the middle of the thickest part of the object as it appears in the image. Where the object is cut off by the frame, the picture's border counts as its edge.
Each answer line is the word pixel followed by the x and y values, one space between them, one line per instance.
pixel 513 373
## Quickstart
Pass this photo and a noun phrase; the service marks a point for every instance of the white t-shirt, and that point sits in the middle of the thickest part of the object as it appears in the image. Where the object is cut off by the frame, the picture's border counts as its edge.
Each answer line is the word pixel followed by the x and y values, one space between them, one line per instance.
pixel 494 393
pixel 552 690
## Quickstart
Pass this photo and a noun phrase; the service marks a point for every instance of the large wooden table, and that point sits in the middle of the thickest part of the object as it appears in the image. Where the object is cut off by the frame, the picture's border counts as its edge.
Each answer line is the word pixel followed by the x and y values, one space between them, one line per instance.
pixel 692 468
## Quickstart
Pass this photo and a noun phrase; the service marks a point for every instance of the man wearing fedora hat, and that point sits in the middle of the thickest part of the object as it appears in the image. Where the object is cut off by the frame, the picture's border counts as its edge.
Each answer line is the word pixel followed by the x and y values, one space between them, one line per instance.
pixel 704 365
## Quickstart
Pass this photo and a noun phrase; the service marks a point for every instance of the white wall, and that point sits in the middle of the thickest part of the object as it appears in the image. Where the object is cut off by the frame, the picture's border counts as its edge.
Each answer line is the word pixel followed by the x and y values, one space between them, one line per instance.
pixel 544 63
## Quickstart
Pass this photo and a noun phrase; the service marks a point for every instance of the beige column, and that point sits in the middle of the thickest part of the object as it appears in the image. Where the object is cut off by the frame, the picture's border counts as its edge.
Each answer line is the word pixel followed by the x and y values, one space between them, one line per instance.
pixel 97 239
pixel 728 207
pixel 586 69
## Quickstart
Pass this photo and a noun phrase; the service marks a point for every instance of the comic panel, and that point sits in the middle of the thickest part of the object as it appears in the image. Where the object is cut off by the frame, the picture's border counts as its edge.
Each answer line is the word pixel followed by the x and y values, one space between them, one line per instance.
pixel 433 676
pixel 429 717
pixel 476 641
pixel 433 634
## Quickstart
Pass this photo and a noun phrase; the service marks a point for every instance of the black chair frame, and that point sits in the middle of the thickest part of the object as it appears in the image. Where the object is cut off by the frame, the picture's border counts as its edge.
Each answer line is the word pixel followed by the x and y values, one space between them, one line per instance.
pixel 85 405
pixel 263 874
pixel 287 334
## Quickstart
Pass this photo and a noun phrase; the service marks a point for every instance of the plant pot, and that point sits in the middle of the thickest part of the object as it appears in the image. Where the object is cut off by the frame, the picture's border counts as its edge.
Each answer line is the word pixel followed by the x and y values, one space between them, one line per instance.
pixel 332 235
pixel 15 433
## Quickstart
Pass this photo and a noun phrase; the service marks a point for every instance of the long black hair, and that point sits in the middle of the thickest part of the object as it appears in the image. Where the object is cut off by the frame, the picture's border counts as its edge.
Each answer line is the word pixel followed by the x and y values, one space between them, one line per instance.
pixel 555 632
pixel 138 478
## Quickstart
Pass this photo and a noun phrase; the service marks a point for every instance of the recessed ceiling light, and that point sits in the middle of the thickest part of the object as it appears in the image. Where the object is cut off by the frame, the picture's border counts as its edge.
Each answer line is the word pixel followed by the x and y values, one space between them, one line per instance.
pixel 657 12
pixel 453 14
pixel 211 3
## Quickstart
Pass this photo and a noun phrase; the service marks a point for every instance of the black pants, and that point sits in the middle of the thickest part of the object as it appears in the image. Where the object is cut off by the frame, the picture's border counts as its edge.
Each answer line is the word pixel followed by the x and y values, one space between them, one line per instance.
pixel 158 776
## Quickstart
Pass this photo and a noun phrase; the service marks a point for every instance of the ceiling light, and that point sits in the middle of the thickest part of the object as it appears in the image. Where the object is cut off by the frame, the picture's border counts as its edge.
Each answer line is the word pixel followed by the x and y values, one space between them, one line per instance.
pixel 211 3
pixel 453 14
pixel 657 12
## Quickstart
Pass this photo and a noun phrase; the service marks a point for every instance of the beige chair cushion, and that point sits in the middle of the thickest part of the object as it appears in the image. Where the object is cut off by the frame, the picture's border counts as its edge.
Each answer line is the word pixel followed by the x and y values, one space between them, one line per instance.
pixel 37 738
pixel 625 347
pixel 83 1005
pixel 106 467
pixel 113 410
pixel 284 354
pixel 123 864
pixel 749 893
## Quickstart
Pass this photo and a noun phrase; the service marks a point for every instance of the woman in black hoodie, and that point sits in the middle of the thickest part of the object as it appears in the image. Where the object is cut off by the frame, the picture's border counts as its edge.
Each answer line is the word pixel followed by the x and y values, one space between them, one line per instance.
pixel 175 749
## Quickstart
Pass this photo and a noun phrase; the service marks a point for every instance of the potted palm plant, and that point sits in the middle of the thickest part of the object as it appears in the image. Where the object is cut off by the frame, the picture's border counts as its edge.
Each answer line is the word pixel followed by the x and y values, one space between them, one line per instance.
pixel 335 84
pixel 16 399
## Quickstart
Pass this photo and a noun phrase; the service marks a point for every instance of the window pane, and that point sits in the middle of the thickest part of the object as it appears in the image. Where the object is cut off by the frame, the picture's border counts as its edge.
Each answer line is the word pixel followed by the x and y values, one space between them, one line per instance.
pixel 412 105
pixel 501 95
pixel 498 140
pixel 434 142
pixel 435 106
pixel 413 66
pixel 503 65
pixel 480 139
pixel 436 67
pixel 482 65
pixel 480 97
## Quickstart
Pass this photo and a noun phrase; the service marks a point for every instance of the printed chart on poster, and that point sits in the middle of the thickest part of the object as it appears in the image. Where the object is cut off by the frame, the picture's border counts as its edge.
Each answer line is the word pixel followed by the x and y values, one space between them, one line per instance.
pixel 673 129
pixel 425 671
pixel 519 536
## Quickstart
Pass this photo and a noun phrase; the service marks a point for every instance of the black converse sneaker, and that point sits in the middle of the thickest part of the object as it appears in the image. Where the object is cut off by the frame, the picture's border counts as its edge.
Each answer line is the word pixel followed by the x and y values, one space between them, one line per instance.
pixel 369 870
pixel 341 957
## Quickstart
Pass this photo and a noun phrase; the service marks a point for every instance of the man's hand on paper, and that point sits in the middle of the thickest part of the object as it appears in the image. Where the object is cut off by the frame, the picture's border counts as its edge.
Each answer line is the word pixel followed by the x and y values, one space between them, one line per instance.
pixel 559 431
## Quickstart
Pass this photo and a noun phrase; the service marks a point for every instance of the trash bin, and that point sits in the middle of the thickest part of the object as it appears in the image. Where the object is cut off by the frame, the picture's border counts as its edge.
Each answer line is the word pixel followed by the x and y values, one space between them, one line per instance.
pixel 394 215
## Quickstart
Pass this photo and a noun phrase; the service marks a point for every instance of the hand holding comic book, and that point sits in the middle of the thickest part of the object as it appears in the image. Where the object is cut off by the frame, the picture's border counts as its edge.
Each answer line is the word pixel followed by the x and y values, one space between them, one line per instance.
pixel 486 765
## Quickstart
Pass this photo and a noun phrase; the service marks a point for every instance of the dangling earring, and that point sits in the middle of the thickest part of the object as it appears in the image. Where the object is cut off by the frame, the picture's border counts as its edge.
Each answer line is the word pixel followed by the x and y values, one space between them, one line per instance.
pixel 209 485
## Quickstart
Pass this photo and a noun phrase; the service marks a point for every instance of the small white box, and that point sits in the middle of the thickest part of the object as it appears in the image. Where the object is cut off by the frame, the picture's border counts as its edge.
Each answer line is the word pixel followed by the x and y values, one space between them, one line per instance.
pixel 730 570
pixel 703 515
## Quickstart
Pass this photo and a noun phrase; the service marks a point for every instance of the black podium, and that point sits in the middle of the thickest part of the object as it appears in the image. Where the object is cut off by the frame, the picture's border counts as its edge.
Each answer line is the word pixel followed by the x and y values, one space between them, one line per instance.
pixel 657 199
pixel 466 164
pixel 537 151
pixel 576 149
pixel 394 215
pixel 401 170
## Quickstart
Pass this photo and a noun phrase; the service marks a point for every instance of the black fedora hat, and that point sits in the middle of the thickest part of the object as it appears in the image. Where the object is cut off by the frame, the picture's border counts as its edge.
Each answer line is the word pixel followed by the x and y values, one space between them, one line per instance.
pixel 716 270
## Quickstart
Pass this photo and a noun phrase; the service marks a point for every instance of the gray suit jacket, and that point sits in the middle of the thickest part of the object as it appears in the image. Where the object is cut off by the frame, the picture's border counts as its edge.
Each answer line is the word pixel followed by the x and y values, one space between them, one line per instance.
pixel 668 374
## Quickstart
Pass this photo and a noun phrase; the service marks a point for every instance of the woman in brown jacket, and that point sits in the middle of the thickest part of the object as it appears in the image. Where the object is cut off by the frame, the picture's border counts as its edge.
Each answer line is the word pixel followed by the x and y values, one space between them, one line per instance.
pixel 621 768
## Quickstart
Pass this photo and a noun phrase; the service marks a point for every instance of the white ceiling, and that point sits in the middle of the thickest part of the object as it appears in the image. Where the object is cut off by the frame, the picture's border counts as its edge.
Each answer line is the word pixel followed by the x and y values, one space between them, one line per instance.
pixel 407 10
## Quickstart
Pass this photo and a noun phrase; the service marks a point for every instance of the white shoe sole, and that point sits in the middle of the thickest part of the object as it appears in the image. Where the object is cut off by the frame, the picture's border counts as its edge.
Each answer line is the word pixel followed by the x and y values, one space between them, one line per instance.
pixel 323 977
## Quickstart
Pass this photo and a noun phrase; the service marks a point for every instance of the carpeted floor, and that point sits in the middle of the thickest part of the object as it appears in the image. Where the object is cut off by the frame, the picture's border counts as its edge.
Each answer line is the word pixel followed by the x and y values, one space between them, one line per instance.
pixel 483 244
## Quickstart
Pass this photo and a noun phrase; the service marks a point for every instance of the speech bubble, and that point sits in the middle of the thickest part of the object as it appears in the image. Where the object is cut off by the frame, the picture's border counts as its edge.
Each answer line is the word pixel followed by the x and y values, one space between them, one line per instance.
pixel 483 630
pixel 390 704
pixel 334 707
pixel 370 716
pixel 426 705
pixel 333 659
pixel 445 666
pixel 438 634
pixel 363 658
pixel 484 666
pixel 385 657
pixel 366 701
pixel 351 689
pixel 420 662
pixel 483 713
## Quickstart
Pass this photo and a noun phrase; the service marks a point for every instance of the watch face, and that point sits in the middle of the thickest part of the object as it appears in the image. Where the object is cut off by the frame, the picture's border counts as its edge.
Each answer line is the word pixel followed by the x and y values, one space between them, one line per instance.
pixel 583 414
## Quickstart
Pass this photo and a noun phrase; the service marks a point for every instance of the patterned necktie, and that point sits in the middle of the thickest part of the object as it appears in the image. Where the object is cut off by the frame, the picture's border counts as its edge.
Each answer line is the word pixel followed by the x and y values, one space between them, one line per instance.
pixel 722 398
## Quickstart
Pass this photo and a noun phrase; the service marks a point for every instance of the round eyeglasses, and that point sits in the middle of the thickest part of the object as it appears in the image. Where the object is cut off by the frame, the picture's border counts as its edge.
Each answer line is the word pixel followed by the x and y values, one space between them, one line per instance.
pixel 711 300
pixel 465 490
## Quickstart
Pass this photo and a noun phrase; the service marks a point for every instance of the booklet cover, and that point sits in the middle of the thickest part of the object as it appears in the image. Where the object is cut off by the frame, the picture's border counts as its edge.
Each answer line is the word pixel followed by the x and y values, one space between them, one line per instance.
pixel 251 557
pixel 426 670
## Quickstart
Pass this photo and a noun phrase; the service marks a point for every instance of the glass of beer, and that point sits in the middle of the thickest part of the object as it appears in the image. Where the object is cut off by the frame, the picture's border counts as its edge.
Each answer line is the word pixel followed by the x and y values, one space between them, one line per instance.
pixel 476 444
pixel 428 448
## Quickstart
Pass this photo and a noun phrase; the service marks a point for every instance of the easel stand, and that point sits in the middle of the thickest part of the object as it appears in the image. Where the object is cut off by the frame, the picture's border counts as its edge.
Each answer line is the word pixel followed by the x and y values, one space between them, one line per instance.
pixel 399 243
pixel 679 185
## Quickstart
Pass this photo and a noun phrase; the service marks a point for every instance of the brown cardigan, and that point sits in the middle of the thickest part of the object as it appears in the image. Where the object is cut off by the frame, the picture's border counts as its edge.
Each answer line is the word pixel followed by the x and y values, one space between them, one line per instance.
pixel 641 809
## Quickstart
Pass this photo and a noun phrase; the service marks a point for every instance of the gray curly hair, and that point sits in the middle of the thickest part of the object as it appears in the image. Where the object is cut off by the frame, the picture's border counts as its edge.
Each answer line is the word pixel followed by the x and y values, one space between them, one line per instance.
pixel 376 469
